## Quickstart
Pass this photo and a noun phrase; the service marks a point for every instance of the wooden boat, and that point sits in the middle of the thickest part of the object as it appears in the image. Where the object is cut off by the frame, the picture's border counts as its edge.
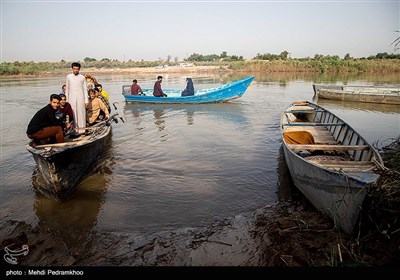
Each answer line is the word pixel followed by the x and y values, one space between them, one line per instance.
pixel 331 164
pixel 211 95
pixel 383 95
pixel 63 165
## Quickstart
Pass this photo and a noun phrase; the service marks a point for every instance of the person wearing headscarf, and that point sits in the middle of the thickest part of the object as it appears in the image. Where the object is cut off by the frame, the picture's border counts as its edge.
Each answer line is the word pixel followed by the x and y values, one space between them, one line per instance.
pixel 189 90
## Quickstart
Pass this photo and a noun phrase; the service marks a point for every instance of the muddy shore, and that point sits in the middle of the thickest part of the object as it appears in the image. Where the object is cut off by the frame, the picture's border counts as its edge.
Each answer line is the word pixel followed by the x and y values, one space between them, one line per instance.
pixel 282 234
pixel 285 234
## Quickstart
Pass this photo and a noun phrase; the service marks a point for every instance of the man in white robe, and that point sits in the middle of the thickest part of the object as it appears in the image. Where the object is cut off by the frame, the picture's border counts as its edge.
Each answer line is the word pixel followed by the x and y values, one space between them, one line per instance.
pixel 77 96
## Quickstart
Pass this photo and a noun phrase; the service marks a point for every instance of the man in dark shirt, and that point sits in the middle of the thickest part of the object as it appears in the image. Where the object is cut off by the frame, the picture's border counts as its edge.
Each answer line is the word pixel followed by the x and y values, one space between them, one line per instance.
pixel 135 88
pixel 44 123
pixel 157 88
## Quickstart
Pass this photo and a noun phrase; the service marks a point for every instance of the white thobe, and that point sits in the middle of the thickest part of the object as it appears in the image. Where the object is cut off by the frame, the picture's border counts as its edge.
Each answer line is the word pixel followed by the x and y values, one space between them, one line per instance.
pixel 77 96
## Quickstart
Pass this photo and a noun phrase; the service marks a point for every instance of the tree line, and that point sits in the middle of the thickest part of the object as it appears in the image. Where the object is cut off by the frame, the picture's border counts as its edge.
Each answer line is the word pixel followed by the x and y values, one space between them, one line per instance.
pixel 381 62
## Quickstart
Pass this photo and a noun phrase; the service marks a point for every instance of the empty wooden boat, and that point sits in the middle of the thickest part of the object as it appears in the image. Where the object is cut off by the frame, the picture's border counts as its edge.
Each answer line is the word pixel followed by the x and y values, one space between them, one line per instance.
pixel 382 95
pixel 331 164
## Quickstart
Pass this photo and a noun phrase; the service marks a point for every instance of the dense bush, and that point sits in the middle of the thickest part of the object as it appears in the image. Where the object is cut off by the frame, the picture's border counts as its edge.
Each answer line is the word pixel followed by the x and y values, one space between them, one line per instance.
pixel 381 63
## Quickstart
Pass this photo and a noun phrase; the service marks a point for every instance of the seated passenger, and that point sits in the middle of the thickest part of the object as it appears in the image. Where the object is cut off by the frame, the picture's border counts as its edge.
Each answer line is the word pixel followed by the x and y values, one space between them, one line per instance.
pixel 44 123
pixel 103 92
pixel 94 108
pixel 103 99
pixel 158 92
pixel 189 90
pixel 66 110
pixel 63 89
pixel 135 88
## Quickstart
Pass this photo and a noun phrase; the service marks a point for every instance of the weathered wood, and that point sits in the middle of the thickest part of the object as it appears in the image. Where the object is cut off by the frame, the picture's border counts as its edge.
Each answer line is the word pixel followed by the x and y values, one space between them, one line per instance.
pixel 317 129
pixel 327 147
pixel 312 124
pixel 342 162
pixel 60 145
pixel 325 141
pixel 335 187
pixel 303 111
pixel 389 96
pixel 349 166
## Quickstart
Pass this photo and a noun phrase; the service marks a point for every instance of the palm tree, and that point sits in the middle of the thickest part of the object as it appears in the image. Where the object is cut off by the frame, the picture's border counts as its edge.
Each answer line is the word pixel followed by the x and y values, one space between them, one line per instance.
pixel 396 42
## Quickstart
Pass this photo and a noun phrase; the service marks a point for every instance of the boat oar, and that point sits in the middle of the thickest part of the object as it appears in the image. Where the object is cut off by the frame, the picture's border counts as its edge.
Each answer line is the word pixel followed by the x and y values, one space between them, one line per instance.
pixel 115 107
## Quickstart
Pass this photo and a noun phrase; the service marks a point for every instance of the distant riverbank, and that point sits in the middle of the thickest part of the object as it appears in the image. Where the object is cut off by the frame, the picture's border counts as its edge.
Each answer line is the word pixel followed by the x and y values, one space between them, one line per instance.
pixel 321 66
pixel 192 71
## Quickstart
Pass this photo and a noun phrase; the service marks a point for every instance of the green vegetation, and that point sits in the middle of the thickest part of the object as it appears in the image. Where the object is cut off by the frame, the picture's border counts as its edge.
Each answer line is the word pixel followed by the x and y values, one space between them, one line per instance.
pixel 213 57
pixel 380 63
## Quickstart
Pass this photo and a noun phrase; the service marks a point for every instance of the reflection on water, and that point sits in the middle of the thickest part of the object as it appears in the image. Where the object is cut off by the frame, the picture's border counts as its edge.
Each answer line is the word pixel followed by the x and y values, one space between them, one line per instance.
pixel 232 112
pixel 190 117
pixel 73 220
pixel 159 121
pixel 378 124
pixel 285 185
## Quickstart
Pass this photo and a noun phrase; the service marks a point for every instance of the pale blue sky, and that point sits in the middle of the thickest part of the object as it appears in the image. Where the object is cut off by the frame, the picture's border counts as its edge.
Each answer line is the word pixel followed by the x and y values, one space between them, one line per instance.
pixel 123 30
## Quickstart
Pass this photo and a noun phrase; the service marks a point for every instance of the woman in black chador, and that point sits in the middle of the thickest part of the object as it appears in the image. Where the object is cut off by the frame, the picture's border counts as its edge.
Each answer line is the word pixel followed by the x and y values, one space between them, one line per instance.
pixel 189 90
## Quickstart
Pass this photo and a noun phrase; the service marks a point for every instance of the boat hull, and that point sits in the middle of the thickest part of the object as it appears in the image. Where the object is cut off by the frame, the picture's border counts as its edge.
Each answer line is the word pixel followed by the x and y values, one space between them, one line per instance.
pixel 329 192
pixel 63 168
pixel 216 95
pixel 381 97
pixel 335 184
pixel 367 94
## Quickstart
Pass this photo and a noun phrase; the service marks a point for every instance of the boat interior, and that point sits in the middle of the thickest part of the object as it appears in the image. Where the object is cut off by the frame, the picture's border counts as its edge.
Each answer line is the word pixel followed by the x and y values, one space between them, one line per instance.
pixel 323 139
pixel 72 139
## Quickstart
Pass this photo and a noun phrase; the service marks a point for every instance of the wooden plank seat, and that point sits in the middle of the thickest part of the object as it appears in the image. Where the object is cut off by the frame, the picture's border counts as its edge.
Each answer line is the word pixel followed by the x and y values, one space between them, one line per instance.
pixel 303 111
pixel 345 165
pixel 60 145
pixel 312 124
pixel 325 140
pixel 321 134
pixel 316 129
pixel 314 147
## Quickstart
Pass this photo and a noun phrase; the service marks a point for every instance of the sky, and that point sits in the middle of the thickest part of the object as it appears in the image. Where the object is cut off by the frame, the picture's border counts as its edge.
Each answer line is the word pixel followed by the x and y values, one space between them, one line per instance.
pixel 153 30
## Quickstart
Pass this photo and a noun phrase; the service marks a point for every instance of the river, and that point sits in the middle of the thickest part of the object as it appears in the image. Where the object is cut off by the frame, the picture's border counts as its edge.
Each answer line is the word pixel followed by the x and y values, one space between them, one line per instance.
pixel 173 166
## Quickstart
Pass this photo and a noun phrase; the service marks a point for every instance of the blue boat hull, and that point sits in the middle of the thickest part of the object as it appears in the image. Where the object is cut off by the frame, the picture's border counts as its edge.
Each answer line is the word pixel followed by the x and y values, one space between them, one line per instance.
pixel 214 95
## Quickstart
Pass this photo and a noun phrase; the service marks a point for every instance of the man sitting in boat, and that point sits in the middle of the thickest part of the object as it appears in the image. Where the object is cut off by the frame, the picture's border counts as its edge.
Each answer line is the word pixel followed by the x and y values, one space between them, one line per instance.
pixel 189 90
pixel 135 88
pixel 44 123
pixel 157 92
pixel 94 108
pixel 103 99
pixel 103 92
pixel 65 110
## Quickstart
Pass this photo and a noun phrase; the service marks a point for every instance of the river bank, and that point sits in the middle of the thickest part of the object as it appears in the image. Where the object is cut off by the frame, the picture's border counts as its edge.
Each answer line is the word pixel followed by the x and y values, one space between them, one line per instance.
pixel 173 70
pixel 290 233
pixel 320 65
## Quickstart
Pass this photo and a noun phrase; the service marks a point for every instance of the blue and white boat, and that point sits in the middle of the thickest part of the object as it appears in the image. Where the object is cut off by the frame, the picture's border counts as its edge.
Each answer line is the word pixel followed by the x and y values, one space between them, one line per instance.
pixel 211 95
